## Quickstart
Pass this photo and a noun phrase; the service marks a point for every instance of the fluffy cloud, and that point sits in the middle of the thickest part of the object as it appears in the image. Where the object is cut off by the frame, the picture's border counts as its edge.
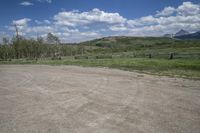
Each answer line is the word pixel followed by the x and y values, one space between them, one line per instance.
pixel 26 3
pixel 76 26
pixel 169 20
pixel 42 22
pixel 74 18
pixel 188 8
pixel 48 1
pixel 119 27
pixel 39 29
pixel 179 19
pixel 21 22
pixel 166 11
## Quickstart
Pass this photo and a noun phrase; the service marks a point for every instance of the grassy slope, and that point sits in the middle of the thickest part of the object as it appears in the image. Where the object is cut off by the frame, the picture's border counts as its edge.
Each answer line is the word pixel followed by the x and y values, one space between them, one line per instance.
pixel 140 45
pixel 178 67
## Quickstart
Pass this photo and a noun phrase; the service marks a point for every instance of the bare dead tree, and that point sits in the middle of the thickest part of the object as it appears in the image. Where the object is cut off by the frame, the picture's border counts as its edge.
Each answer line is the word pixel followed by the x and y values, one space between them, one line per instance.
pixel 17 31
pixel 16 45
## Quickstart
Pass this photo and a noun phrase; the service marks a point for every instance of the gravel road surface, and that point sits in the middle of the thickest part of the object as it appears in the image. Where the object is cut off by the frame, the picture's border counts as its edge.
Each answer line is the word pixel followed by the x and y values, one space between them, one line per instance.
pixel 72 99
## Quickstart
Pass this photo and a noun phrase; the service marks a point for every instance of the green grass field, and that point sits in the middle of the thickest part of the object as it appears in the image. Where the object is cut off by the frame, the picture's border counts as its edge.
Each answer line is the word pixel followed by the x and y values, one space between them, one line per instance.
pixel 143 54
pixel 178 67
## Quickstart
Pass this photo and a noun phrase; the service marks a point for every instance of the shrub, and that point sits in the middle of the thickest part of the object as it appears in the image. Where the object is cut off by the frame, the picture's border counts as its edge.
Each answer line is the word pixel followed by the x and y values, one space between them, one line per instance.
pixel 104 57
pixel 81 57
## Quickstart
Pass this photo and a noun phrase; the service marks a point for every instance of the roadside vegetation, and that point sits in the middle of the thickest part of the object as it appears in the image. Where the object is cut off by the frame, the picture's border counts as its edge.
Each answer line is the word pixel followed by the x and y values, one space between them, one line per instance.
pixel 155 55
pixel 176 68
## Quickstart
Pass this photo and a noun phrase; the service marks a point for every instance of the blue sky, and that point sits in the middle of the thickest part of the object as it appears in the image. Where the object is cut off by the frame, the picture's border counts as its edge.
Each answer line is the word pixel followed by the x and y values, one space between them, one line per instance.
pixel 80 20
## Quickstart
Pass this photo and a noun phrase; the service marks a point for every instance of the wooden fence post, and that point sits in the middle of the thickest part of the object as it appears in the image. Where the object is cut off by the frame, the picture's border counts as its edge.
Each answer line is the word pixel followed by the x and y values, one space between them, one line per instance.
pixel 171 56
pixel 150 56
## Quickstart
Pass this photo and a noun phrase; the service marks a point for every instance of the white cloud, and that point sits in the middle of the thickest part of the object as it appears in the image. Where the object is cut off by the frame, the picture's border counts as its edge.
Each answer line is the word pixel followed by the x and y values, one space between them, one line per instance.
pixel 42 22
pixel 143 21
pixel 166 11
pixel 81 36
pixel 120 27
pixel 48 1
pixel 26 3
pixel 21 22
pixel 169 20
pixel 188 8
pixel 74 35
pixel 76 26
pixel 39 29
pixel 47 22
pixel 133 23
pixel 179 19
pixel 74 18
pixel 38 22
pixel 147 20
pixel 64 33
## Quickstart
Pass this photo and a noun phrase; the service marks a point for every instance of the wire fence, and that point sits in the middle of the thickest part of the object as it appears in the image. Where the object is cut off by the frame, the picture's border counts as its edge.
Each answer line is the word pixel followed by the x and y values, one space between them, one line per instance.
pixel 146 55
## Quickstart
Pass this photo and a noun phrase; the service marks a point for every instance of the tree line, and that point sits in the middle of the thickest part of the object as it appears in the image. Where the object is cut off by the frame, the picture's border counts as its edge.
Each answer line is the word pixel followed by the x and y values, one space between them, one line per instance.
pixel 21 47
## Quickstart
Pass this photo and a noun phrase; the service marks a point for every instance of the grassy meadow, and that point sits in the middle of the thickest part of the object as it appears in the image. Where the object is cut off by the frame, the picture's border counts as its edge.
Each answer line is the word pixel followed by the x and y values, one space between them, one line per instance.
pixel 143 54
pixel 177 67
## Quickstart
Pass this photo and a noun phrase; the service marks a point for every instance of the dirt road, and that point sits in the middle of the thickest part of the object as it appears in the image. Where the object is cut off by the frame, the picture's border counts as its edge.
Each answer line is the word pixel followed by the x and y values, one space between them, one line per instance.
pixel 70 99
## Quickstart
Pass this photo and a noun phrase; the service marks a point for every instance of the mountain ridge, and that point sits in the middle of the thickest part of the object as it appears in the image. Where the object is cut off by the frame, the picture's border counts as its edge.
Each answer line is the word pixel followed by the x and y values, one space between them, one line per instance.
pixel 181 33
pixel 195 35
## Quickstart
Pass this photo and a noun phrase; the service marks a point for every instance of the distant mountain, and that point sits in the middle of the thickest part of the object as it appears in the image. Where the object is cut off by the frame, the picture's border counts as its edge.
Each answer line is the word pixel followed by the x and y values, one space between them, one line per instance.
pixel 195 35
pixel 181 33
pixel 168 35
